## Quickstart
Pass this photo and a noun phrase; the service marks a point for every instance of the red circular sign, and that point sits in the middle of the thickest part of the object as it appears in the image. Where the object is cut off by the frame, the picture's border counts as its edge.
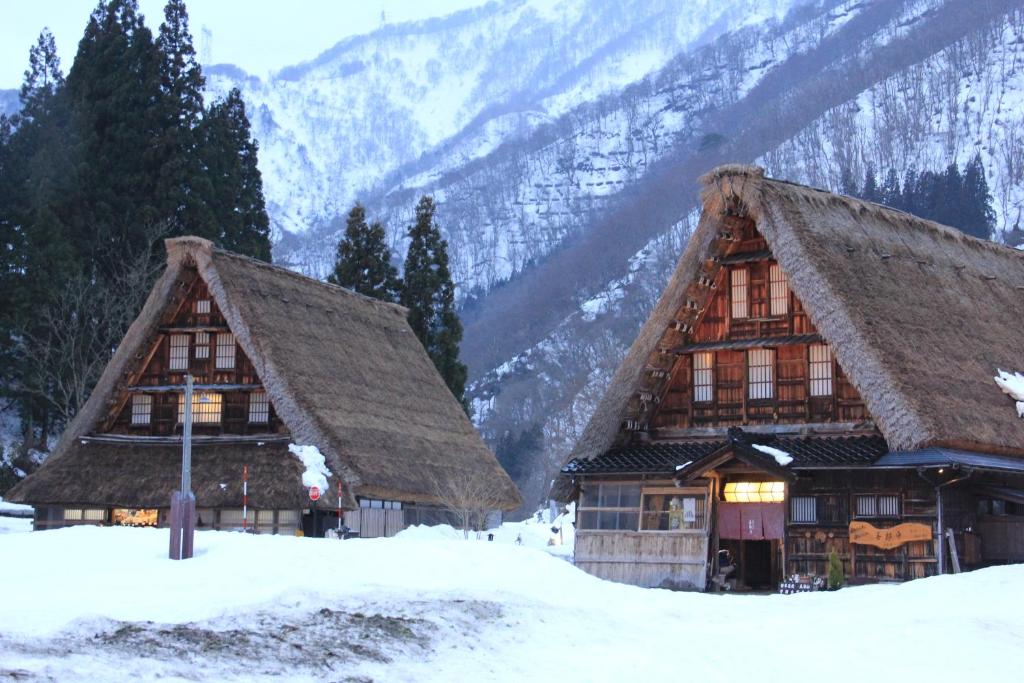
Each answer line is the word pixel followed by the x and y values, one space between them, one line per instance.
pixel 314 493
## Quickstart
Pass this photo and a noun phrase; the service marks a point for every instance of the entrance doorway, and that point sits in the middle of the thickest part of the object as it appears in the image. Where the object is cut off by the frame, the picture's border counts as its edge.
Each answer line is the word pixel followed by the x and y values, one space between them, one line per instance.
pixel 752 533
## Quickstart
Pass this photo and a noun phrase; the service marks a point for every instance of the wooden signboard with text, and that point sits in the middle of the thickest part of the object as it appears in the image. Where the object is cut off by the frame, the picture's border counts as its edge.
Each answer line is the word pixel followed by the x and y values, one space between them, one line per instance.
pixel 891 537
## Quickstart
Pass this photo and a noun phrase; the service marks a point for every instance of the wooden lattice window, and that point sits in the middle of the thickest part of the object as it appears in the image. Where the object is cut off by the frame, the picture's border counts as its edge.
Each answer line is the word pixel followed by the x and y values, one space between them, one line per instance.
pixel 225 351
pixel 739 285
pixel 803 509
pixel 206 408
pixel 142 409
pixel 821 369
pixel 259 407
pixel 609 507
pixel 778 290
pixel 877 506
pixel 202 345
pixel 203 306
pixel 760 373
pixel 703 376
pixel 179 352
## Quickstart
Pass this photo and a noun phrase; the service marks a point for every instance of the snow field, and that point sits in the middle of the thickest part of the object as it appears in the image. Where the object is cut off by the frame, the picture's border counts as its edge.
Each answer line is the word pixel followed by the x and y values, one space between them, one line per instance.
pixel 475 610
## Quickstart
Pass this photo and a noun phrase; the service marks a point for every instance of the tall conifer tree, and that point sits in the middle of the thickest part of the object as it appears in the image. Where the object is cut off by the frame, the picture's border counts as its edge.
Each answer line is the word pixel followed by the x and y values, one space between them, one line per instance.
pixel 183 188
pixel 363 262
pixel 229 159
pixel 429 294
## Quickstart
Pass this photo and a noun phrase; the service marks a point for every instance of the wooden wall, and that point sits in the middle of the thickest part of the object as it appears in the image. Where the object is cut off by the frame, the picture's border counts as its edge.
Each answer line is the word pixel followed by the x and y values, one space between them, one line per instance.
pixel 649 559
pixel 808 545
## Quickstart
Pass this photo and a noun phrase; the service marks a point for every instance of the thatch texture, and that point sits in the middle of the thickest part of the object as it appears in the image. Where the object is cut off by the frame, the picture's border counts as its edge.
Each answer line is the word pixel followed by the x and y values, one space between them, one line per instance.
pixel 143 476
pixel 344 372
pixel 919 314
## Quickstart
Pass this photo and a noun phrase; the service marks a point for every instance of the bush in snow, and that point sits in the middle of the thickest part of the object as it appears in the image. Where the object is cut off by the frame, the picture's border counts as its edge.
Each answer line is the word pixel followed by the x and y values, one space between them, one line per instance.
pixel 836 578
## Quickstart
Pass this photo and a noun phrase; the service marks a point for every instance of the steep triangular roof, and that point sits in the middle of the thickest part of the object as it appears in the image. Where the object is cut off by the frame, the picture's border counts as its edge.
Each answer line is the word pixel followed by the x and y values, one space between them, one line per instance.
pixel 919 314
pixel 344 372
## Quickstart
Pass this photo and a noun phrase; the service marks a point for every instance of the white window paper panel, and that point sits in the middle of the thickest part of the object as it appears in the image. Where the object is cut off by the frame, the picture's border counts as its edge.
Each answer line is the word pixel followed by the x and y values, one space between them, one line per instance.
pixel 821 370
pixel 703 378
pixel 225 351
pixel 778 290
pixel 888 506
pixel 202 345
pixel 142 409
pixel 202 306
pixel 740 304
pixel 760 373
pixel 803 509
pixel 259 407
pixel 179 352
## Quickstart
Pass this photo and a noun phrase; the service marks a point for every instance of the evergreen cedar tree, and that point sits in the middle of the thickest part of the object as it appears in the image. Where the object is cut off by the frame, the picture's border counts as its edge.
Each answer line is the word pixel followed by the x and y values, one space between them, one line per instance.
pixel 961 200
pixel 429 295
pixel 363 262
pixel 97 168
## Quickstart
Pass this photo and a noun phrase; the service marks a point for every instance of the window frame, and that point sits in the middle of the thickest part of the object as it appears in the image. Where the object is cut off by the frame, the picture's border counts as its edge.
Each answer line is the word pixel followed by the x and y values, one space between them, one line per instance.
pixel 176 360
pixel 596 489
pixel 894 498
pixel 778 291
pixel 769 368
pixel 220 346
pixel 739 282
pixel 262 408
pixel 196 400
pixel 702 511
pixel 137 411
pixel 704 392
pixel 813 506
pixel 816 367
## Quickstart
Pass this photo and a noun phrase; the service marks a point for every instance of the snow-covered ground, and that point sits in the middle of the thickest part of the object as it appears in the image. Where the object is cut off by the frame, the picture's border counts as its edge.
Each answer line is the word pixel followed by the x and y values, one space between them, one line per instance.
pixel 91 603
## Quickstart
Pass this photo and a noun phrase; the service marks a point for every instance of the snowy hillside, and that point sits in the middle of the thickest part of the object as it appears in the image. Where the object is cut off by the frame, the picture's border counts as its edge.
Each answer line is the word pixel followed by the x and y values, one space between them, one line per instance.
pixel 335 126
pixel 252 608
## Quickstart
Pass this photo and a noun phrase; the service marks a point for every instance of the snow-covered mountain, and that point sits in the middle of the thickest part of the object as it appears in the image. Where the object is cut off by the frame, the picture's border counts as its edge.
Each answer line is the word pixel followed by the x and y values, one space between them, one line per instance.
pixel 456 86
pixel 564 151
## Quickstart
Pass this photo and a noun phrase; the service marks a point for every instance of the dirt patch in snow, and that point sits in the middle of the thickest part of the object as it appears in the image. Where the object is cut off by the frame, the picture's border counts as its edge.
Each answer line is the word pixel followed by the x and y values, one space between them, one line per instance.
pixel 347 645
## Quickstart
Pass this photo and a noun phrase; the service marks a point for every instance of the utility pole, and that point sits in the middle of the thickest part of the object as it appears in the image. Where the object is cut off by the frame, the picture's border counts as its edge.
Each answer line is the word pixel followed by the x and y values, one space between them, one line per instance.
pixel 183 502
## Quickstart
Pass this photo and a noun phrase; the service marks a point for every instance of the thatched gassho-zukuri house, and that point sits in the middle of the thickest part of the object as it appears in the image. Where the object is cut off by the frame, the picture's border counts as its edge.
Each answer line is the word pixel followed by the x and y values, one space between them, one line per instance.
pixel 817 376
pixel 278 359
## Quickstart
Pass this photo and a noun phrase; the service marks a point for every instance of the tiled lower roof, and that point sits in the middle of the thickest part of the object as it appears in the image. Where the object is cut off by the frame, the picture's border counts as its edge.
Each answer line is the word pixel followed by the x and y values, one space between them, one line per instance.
pixel 809 452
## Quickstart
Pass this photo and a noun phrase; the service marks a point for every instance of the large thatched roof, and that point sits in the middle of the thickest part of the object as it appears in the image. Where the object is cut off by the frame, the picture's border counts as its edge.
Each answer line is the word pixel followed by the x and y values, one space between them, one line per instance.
pixel 344 372
pixel 919 314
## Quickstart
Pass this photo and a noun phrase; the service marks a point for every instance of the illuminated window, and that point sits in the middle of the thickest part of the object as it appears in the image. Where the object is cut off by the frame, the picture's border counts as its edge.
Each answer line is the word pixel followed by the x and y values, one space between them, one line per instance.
pixel 128 517
pixel 259 407
pixel 205 408
pixel 703 387
pixel 803 509
pixel 142 409
pixel 738 282
pixel 779 290
pixel 202 306
pixel 760 373
pixel 755 492
pixel 821 370
pixel 179 352
pixel 877 506
pixel 202 345
pixel 225 351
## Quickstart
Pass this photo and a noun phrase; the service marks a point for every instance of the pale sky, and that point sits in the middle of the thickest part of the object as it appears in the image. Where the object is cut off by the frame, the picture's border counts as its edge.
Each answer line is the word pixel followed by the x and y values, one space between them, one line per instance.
pixel 260 36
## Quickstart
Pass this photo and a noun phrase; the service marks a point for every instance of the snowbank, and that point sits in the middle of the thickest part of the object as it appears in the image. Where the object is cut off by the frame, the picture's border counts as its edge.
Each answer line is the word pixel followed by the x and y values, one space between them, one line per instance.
pixel 316 467
pixel 490 611
pixel 15 509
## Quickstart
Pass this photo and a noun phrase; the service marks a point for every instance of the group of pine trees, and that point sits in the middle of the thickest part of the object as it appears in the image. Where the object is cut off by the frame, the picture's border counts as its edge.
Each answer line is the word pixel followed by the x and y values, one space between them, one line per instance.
pixel 363 264
pixel 96 169
pixel 951 197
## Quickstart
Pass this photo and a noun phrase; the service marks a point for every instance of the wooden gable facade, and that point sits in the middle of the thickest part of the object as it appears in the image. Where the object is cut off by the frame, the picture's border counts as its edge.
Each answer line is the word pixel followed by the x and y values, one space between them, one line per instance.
pixel 734 450
pixel 194 338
